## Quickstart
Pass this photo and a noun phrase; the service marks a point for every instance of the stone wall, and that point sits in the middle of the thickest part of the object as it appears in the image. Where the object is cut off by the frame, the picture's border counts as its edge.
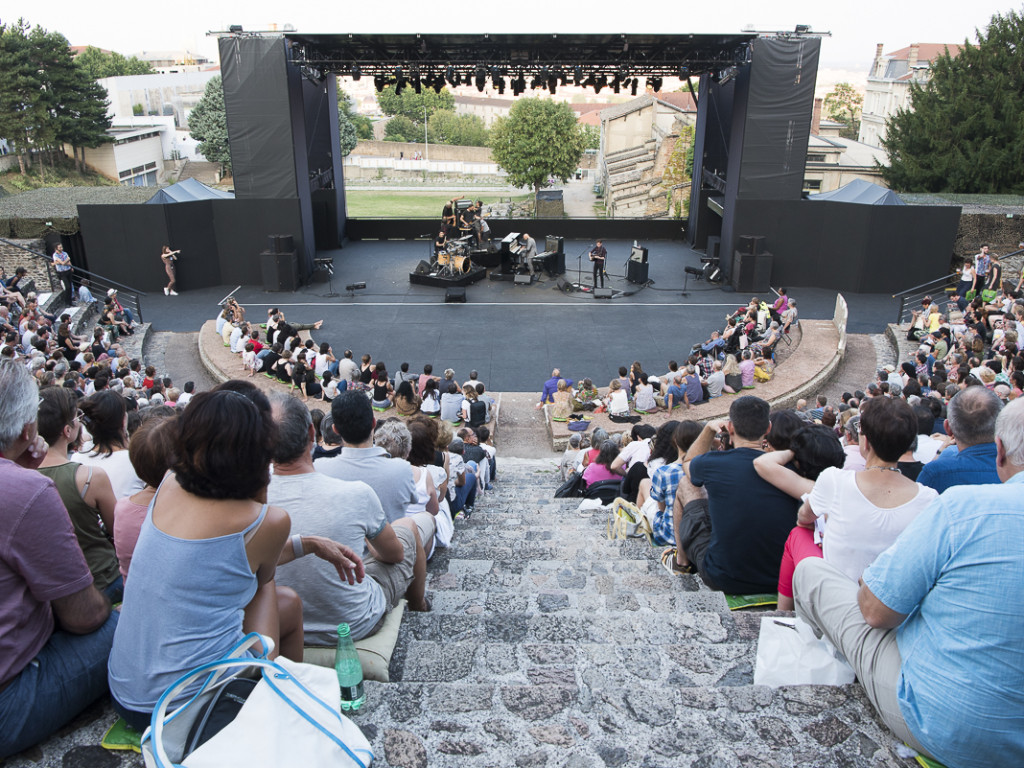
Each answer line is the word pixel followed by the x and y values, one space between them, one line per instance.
pixel 438 152
pixel 11 258
pixel 1001 232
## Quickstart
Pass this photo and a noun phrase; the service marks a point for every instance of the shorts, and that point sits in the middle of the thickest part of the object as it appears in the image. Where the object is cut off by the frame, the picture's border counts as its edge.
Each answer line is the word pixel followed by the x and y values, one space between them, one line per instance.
pixel 394 578
pixel 427 526
pixel 695 536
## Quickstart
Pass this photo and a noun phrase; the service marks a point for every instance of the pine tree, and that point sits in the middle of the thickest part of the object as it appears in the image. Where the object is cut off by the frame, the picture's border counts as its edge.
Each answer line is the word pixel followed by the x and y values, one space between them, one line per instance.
pixel 208 124
pixel 22 108
pixel 964 131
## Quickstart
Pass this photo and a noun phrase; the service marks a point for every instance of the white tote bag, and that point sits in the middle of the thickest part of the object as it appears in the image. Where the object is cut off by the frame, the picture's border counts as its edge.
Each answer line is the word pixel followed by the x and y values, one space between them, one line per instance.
pixel 292 717
pixel 788 653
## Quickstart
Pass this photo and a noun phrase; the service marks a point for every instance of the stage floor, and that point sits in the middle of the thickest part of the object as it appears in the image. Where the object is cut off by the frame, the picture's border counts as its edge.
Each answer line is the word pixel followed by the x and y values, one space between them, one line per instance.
pixel 512 334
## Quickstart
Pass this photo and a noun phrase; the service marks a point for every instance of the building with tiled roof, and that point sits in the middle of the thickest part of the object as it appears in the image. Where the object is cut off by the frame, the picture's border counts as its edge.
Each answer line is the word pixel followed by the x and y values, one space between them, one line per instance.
pixel 888 86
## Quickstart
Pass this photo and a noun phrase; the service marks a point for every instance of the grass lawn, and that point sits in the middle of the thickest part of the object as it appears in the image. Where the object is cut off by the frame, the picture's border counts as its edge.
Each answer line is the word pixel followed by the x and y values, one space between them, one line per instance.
pixel 403 205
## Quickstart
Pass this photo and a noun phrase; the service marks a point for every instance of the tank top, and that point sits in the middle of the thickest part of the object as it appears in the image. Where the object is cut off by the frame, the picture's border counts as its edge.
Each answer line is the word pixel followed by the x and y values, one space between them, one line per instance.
pixel 98 551
pixel 422 495
pixel 183 607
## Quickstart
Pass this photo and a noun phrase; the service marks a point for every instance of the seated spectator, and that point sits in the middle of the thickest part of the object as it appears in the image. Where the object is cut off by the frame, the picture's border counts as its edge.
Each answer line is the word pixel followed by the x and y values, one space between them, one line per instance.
pixel 394 437
pixel 103 414
pixel 661 488
pixel 407 402
pixel 746 369
pixel 729 523
pixel 150 453
pixel 426 376
pixel 85 491
pixel 562 400
pixel 573 455
pixel 207 555
pixel 597 439
pixel 675 394
pixel 47 675
pixel 644 396
pixel 431 404
pixel 451 404
pixel 715 381
pixel 600 468
pixel 547 394
pixel 382 389
pixel 929 614
pixel 733 377
pixel 349 513
pixel 694 393
pixel 970 420
pixel 617 401
pixel 475 410
pixel 464 483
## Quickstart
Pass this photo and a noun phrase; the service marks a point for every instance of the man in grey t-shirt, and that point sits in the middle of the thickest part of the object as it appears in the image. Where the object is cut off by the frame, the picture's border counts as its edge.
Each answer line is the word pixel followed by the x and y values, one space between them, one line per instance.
pixel 348 369
pixel 349 513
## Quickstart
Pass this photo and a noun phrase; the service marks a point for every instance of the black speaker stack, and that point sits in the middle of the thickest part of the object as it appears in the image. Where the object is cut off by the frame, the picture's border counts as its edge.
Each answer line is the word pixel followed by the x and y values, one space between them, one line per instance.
pixel 636 272
pixel 278 264
pixel 751 265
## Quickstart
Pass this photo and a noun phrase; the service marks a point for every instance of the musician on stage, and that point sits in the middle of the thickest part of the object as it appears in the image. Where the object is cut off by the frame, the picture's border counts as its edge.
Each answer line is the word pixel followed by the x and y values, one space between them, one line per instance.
pixel 598 254
pixel 448 215
pixel 528 251
pixel 468 220
pixel 440 242
pixel 483 229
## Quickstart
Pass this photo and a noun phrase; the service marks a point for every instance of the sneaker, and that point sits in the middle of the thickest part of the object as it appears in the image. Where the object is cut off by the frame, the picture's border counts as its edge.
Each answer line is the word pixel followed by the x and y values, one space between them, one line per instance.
pixel 174 293
pixel 167 291
pixel 469 511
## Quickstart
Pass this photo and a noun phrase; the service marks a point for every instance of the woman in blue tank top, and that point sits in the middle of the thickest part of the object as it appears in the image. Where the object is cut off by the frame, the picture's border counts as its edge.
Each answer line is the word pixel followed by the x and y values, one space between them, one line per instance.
pixel 202 574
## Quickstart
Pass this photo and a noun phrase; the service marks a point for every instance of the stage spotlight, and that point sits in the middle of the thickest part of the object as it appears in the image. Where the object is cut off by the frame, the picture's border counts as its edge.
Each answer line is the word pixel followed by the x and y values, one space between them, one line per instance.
pixel 235 29
pixel 398 73
pixel 684 72
pixel 632 87
pixel 450 75
pixel 656 84
pixel 727 74
pixel 378 82
pixel 563 79
pixel 616 83
pixel 357 72
pixel 802 29
pixel 577 76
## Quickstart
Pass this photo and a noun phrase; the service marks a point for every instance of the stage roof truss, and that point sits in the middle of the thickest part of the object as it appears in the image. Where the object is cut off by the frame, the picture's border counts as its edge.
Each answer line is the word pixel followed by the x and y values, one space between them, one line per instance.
pixel 537 60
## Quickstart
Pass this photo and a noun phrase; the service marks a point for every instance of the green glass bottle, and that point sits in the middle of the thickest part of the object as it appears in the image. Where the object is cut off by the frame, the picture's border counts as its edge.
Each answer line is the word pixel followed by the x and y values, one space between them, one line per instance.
pixel 349 671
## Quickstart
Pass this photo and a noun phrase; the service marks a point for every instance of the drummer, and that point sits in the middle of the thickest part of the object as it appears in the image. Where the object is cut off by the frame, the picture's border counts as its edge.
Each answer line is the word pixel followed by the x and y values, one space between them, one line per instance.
pixel 440 243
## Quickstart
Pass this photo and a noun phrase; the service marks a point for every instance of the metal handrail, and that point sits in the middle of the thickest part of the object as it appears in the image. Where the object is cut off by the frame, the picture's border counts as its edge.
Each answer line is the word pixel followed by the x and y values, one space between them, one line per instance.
pixel 912 296
pixel 129 297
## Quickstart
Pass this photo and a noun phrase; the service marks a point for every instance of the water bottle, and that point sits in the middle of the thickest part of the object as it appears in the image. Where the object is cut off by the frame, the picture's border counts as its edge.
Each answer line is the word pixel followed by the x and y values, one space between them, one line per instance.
pixel 349 671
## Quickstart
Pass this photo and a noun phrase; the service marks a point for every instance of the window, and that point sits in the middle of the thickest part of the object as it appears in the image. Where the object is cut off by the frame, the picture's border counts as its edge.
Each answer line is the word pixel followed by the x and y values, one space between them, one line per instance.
pixel 815 158
pixel 812 185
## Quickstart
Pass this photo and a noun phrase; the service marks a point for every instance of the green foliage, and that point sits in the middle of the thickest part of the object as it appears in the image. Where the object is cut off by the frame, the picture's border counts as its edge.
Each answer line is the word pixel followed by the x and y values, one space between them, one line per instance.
pixel 401 128
pixel 538 139
pixel 843 104
pixel 447 127
pixel 208 125
pixel 346 128
pixel 364 127
pixel 591 137
pixel 96 64
pixel 965 130
pixel 138 109
pixel 679 171
pixel 45 100
pixel 411 105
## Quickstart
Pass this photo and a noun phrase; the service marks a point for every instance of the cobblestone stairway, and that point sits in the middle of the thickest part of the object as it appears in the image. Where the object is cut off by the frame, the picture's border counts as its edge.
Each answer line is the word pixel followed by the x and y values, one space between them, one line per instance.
pixel 549 645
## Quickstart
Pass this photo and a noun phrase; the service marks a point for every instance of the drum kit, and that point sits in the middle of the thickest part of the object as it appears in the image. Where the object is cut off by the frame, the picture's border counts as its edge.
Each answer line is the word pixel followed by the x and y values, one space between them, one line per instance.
pixel 454 260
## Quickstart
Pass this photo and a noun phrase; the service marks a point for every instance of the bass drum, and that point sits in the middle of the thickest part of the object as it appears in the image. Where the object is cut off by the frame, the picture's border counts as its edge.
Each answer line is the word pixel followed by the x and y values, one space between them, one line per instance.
pixel 461 263
pixel 444 258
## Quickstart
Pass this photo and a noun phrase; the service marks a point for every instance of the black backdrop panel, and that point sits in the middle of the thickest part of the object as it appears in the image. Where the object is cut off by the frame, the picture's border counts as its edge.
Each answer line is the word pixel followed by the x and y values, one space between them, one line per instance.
pixel 779 100
pixel 256 100
pixel 123 242
pixel 190 228
pixel 577 229
pixel 851 247
pixel 242 228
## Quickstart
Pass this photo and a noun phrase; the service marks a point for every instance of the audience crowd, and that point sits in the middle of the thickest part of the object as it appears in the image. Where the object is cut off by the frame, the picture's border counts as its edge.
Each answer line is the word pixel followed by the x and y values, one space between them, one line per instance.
pixel 889 520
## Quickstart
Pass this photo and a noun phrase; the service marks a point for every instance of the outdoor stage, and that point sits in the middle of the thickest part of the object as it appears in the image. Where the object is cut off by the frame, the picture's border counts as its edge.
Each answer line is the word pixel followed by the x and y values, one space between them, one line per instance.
pixel 512 334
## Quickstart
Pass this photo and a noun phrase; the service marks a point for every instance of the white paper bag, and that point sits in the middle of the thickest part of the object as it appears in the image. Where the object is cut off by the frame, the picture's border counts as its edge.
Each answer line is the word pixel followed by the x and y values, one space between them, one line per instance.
pixel 788 653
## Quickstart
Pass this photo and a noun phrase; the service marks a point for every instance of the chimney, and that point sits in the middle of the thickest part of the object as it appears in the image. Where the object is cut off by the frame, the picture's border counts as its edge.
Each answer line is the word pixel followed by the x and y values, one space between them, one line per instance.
pixel 912 57
pixel 876 66
pixel 816 117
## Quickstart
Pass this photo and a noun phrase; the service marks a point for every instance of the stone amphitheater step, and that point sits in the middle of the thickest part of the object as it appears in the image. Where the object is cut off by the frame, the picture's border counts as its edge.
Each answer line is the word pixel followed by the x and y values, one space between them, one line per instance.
pixel 549 645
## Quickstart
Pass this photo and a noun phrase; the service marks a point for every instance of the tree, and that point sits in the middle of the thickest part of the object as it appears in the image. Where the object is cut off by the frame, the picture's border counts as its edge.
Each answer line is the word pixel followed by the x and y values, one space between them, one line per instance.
pixel 96 64
pixel 448 127
pixel 539 139
pixel 346 128
pixel 208 124
pixel 964 131
pixel 401 128
pixel 591 137
pixel 843 104
pixel 411 105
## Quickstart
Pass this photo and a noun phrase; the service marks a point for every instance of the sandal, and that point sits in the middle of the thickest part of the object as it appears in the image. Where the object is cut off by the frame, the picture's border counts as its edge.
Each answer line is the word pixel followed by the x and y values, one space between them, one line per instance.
pixel 668 562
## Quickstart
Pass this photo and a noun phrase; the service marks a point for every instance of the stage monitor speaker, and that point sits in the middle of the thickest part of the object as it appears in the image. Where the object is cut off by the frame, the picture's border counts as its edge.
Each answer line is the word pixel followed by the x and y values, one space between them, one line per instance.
pixel 751 244
pixel 523 279
pixel 762 272
pixel 636 253
pixel 751 273
pixel 455 295
pixel 714 248
pixel 279 271
pixel 636 272
pixel 564 285
pixel 554 244
pixel 603 293
pixel 423 268
pixel 281 243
